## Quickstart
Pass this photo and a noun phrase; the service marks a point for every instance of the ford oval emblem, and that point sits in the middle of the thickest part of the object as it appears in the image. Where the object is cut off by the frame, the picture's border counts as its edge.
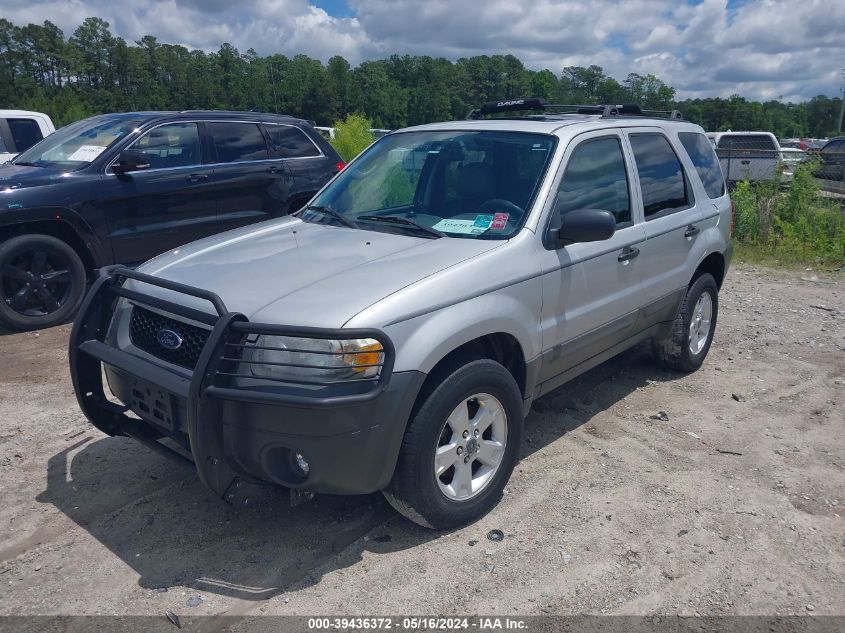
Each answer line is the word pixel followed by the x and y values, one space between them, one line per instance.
pixel 169 339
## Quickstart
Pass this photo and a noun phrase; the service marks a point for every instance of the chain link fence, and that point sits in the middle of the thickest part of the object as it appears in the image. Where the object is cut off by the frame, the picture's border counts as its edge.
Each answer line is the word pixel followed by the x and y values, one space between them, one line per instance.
pixel 749 156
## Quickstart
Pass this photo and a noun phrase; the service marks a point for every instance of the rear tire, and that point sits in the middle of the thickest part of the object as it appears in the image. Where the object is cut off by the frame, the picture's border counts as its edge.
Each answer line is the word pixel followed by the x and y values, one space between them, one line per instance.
pixel 42 282
pixel 483 399
pixel 686 347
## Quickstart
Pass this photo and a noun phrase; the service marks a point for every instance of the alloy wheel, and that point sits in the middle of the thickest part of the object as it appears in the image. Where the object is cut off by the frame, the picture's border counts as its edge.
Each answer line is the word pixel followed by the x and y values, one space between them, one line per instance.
pixel 471 446
pixel 699 329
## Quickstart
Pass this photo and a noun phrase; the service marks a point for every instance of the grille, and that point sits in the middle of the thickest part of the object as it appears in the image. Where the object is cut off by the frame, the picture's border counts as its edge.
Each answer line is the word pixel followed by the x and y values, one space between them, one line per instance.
pixel 145 326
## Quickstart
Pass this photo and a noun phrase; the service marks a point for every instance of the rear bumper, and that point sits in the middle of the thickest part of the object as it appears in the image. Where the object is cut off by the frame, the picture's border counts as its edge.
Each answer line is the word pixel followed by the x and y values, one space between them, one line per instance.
pixel 349 436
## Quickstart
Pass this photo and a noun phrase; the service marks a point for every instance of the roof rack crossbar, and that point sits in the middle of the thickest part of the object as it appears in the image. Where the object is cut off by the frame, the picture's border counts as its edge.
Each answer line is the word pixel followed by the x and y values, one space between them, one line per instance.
pixel 536 104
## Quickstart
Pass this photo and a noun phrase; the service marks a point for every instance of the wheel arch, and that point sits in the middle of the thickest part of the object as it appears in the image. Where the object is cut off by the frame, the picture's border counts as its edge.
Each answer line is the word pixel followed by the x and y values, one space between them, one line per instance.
pixel 714 264
pixel 59 229
pixel 502 347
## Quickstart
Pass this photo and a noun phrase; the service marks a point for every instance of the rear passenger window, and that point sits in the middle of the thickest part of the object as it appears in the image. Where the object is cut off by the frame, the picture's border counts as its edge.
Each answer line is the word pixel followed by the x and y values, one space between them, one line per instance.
pixel 595 178
pixel 287 141
pixel 701 154
pixel 25 133
pixel 237 141
pixel 662 179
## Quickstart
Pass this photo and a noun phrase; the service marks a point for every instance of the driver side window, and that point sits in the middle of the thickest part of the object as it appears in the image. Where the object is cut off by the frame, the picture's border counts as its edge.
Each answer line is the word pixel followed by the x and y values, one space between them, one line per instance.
pixel 171 145
pixel 595 178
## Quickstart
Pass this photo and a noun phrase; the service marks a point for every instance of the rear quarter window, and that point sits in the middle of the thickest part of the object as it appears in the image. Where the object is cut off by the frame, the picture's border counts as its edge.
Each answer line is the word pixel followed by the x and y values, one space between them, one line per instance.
pixel 287 141
pixel 706 164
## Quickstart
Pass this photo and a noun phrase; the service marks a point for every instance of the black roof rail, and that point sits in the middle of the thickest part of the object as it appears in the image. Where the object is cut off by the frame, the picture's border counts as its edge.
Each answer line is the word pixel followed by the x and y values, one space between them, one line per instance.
pixel 253 112
pixel 537 104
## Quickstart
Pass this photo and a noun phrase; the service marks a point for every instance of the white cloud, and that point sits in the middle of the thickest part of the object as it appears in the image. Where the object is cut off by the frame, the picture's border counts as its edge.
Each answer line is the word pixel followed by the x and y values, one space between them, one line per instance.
pixel 761 49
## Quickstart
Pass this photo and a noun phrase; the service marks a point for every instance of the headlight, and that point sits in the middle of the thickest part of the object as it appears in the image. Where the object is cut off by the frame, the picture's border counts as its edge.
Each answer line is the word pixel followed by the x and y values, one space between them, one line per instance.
pixel 318 360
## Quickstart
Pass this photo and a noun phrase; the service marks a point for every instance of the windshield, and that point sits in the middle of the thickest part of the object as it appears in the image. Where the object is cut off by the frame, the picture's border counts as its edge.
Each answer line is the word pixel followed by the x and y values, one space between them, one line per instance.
pixel 465 184
pixel 78 144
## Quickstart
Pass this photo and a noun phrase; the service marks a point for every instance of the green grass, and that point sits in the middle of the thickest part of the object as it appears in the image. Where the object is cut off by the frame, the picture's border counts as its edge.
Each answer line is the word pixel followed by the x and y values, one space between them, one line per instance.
pixel 789 227
pixel 756 254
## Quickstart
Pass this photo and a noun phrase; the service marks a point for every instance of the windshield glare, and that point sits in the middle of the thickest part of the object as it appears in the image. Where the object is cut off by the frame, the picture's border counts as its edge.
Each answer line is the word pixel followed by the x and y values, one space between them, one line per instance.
pixel 78 144
pixel 467 184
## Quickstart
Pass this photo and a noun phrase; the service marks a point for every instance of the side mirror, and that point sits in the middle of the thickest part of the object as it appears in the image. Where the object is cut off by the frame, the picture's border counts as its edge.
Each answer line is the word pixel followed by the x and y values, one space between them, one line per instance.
pixel 584 225
pixel 130 160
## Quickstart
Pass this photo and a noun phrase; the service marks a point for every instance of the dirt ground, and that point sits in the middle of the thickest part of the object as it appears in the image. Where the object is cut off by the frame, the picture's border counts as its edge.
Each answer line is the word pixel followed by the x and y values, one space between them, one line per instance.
pixel 723 506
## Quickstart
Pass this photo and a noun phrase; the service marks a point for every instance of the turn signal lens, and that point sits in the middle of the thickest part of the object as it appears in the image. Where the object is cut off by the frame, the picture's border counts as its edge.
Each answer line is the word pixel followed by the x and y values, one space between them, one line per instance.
pixel 367 353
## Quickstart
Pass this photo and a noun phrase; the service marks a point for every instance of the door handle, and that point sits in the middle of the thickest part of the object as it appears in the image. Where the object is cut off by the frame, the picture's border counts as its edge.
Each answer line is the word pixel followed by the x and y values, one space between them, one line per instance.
pixel 628 254
pixel 745 162
pixel 196 177
pixel 691 231
pixel 275 169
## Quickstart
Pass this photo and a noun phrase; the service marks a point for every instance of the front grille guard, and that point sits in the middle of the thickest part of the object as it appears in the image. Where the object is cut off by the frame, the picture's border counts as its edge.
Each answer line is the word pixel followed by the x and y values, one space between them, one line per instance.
pixel 215 379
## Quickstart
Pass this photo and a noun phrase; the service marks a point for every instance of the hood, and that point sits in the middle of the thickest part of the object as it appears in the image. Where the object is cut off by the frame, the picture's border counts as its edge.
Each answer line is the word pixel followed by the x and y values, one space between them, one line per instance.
pixel 24 176
pixel 292 272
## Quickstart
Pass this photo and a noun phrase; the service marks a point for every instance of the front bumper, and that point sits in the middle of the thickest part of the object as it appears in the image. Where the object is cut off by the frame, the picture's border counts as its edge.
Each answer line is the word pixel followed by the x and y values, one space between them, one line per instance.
pixel 349 434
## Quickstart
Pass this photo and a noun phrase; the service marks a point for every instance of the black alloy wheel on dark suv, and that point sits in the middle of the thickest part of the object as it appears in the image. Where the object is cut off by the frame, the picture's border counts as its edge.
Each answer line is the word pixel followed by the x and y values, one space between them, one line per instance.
pixel 42 281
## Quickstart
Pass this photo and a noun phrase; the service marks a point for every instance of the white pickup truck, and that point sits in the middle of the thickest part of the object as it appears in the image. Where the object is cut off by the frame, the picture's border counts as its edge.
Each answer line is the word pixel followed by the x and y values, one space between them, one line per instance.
pixel 747 155
pixel 20 130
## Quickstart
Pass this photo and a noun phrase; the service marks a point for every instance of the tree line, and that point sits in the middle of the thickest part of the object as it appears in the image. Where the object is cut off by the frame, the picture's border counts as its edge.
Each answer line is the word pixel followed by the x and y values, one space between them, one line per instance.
pixel 92 72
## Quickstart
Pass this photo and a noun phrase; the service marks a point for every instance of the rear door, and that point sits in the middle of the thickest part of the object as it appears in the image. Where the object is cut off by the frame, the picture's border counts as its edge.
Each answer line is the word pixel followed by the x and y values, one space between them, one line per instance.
pixel 672 220
pixel 166 205
pixel 748 156
pixel 591 292
pixel 308 167
pixel 249 186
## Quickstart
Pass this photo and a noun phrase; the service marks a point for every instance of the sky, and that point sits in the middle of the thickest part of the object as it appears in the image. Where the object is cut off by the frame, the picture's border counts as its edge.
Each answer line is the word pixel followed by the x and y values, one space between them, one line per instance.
pixel 760 49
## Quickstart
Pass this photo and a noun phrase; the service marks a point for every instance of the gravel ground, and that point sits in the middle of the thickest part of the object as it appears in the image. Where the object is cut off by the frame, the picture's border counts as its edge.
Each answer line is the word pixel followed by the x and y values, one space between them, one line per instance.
pixel 720 505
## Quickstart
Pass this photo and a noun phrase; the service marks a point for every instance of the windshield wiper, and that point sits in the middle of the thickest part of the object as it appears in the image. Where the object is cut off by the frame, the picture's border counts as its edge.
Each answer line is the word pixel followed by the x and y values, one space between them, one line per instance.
pixel 395 219
pixel 332 213
pixel 27 164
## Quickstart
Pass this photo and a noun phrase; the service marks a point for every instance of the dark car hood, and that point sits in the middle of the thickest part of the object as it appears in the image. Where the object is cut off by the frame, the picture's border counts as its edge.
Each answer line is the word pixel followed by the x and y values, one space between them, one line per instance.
pixel 23 176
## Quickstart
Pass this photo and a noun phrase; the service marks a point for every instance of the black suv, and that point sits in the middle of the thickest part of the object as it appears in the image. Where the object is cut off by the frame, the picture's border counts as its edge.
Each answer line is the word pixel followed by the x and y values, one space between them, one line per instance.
pixel 122 188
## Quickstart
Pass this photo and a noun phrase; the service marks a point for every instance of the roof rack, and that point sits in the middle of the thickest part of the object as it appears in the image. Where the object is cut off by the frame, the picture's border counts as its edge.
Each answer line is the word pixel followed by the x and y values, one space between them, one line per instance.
pixel 536 104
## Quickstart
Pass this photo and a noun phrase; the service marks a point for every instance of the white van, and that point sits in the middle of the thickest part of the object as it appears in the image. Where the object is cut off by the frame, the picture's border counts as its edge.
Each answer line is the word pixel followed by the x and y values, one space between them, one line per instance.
pixel 20 130
pixel 747 155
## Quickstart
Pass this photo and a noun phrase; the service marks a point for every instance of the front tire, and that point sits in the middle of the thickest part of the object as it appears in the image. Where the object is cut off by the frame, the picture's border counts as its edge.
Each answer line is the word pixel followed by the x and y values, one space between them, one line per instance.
pixel 686 347
pixel 42 282
pixel 460 447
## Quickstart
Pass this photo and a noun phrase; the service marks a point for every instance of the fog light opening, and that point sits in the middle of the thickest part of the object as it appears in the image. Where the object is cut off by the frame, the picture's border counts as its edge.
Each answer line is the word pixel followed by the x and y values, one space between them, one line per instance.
pixel 300 464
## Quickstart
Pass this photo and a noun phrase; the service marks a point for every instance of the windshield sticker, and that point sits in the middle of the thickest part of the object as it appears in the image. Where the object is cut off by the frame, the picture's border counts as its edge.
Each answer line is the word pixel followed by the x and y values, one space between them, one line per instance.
pixel 483 221
pixel 468 227
pixel 87 153
pixel 499 221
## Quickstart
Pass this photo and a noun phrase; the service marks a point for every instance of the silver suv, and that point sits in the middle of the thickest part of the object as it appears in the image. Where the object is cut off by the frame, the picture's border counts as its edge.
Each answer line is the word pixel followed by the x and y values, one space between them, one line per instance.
pixel 394 334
